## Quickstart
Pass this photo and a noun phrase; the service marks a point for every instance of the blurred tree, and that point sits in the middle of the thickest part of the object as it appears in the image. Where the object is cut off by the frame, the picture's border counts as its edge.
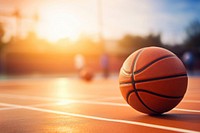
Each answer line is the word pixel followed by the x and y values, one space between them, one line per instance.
pixel 87 45
pixel 130 43
pixel 192 42
pixel 153 40
pixel 191 55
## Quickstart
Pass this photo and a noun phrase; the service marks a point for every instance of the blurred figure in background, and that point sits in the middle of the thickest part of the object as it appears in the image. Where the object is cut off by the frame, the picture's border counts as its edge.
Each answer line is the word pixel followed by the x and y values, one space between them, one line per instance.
pixel 2 32
pixel 79 62
pixel 188 59
pixel 105 65
pixel 84 72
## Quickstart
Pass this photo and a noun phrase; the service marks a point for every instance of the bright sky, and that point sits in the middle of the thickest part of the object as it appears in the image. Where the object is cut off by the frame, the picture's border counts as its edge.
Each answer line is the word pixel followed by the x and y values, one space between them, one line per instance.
pixel 71 18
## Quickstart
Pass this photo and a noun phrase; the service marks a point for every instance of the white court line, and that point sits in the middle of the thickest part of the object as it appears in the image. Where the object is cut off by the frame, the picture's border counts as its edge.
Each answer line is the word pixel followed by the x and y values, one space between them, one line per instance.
pixel 187 110
pixel 102 119
pixel 25 97
pixel 58 99
pixel 63 101
pixel 120 98
pixel 7 108
pixel 191 101
pixel 108 98
pixel 98 103
pixel 34 105
pixel 126 105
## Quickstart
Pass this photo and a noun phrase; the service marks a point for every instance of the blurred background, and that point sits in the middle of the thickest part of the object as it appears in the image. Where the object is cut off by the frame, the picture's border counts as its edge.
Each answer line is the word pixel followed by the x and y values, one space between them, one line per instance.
pixel 61 37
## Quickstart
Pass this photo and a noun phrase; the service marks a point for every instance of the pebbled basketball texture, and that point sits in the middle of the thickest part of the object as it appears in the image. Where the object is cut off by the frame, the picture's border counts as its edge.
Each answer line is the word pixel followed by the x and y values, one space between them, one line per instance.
pixel 153 80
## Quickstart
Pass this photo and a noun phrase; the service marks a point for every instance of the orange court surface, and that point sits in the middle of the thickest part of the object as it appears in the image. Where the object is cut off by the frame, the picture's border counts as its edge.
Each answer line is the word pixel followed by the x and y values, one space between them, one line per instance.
pixel 63 104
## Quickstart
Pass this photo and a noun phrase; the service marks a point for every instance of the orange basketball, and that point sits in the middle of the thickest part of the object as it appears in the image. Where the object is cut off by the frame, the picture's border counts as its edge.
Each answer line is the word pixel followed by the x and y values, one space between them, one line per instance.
pixel 153 80
pixel 86 74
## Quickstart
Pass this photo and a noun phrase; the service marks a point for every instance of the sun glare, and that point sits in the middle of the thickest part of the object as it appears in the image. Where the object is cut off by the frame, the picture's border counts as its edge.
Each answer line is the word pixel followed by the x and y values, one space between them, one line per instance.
pixel 58 23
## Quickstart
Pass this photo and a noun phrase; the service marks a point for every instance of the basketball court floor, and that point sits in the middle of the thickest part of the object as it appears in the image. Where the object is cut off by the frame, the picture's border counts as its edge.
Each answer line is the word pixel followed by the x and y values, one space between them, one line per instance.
pixel 60 104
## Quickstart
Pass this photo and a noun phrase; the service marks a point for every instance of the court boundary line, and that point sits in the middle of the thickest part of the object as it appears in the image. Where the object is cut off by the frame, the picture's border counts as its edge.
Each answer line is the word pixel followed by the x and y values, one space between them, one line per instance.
pixel 126 105
pixel 54 99
pixel 191 101
pixel 121 98
pixel 82 101
pixel 161 127
pixel 7 108
pixel 32 105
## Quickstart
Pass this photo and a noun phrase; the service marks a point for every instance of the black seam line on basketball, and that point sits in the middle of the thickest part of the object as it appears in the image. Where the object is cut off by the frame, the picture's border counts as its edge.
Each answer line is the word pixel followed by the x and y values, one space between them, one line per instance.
pixel 149 80
pixel 160 78
pixel 156 94
pixel 151 63
pixel 133 84
pixel 124 83
pixel 132 66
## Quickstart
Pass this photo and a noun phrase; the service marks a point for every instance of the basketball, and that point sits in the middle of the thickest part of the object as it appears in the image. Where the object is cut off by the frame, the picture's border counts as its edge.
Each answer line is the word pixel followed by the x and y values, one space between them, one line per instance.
pixel 86 74
pixel 153 80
